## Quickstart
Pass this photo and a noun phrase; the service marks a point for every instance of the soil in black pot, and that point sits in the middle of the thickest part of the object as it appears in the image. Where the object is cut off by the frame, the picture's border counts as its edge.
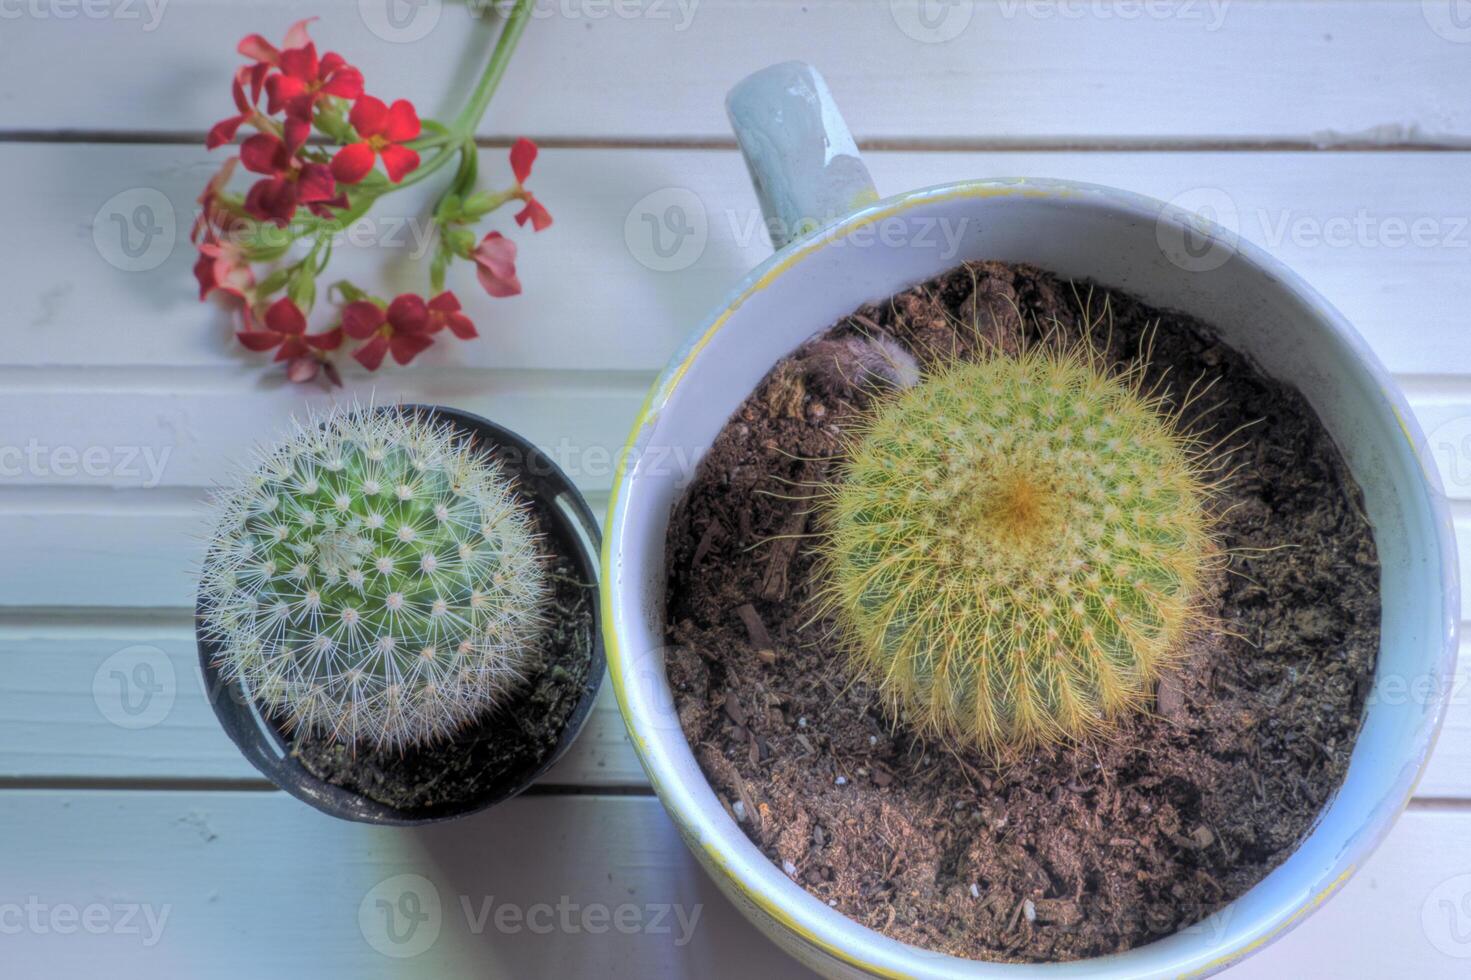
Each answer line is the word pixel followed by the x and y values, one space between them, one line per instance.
pixel 506 747
pixel 1060 853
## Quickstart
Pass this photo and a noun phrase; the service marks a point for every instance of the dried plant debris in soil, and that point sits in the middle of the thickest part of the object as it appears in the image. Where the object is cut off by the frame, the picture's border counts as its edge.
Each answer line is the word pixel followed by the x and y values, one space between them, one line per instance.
pixel 1067 852
pixel 504 748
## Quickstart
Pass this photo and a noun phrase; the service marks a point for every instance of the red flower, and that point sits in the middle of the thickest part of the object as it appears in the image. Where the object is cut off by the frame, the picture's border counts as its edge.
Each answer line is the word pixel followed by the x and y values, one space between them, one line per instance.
pixel 534 212
pixel 523 155
pixel 257 48
pixel 285 328
pixel 250 76
pixel 495 265
pixel 303 80
pixel 444 311
pixel 404 329
pixel 289 180
pixel 382 129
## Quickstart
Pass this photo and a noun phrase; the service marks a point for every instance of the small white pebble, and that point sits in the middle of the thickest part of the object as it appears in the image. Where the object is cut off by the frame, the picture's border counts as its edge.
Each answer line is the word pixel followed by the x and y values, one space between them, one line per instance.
pixel 802 722
pixel 1029 911
pixel 789 868
pixel 739 809
pixel 873 740
pixel 975 890
pixel 832 903
pixel 841 781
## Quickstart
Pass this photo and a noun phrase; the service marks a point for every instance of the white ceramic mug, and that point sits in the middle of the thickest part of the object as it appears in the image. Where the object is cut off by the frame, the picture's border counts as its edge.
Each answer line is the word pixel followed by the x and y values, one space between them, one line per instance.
pixel 806 169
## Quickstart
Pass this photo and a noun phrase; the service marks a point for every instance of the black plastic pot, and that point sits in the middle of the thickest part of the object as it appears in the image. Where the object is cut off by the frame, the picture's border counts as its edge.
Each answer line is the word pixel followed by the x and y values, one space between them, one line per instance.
pixel 571 531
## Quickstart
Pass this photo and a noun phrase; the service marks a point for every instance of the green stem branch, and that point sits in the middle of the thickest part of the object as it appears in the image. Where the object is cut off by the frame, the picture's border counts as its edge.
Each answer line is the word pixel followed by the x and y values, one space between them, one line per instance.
pixel 505 46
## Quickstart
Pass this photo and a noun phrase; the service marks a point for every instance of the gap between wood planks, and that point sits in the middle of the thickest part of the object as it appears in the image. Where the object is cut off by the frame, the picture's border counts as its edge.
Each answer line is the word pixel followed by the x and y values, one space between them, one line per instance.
pixel 1328 143
pixel 195 784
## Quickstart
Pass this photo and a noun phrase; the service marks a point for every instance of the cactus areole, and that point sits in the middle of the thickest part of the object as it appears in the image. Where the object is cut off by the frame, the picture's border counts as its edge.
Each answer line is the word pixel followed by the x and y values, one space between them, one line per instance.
pixel 1015 547
pixel 375 579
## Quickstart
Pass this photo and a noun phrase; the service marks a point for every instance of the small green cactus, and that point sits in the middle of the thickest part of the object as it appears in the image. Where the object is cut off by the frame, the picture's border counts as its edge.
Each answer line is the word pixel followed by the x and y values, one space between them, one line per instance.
pixel 375 578
pixel 1015 548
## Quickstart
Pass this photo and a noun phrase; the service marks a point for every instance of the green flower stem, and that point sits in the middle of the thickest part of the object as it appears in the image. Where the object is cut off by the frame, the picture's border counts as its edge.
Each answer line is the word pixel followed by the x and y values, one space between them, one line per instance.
pixel 460 137
pixel 505 46
pixel 430 142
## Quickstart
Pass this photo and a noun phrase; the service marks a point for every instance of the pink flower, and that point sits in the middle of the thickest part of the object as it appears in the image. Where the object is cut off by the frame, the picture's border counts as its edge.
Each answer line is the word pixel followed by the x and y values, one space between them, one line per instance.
pixel 382 129
pixel 211 215
pixel 222 267
pixel 495 265
pixel 302 369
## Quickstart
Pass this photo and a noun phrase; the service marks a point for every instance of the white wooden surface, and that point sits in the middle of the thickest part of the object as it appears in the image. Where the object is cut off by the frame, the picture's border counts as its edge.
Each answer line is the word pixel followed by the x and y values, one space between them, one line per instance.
pixel 1327 131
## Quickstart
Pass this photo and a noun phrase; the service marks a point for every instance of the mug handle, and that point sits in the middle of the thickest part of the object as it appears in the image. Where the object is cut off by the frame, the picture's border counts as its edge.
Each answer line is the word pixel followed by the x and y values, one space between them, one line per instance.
pixel 802 159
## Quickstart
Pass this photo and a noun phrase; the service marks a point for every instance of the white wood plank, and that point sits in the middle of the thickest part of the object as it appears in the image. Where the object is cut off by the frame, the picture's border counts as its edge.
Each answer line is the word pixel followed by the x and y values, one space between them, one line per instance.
pixel 140 549
pixel 71 708
pixel 68 450
pixel 996 70
pixel 63 714
pixel 256 884
pixel 1446 777
pixel 1341 220
pixel 139 542
pixel 80 436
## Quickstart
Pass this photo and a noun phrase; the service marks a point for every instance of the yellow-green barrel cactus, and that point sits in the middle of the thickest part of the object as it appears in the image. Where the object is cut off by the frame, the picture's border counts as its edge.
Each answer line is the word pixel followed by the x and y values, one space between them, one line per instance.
pixel 1016 547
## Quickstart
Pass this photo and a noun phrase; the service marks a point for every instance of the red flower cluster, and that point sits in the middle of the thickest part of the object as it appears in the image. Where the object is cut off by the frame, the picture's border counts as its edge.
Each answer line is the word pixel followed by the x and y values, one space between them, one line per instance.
pixel 334 180
pixel 299 88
